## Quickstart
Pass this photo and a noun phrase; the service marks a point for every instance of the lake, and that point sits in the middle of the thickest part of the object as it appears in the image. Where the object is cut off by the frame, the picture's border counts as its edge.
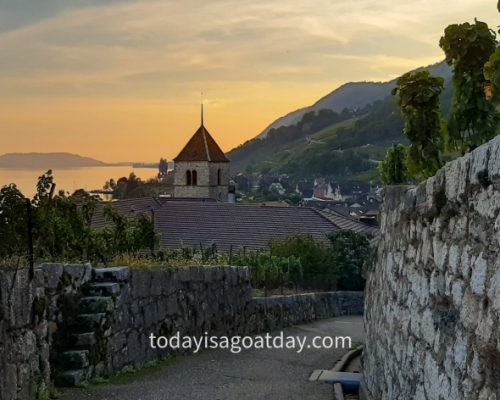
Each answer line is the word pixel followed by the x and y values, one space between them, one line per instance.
pixel 71 179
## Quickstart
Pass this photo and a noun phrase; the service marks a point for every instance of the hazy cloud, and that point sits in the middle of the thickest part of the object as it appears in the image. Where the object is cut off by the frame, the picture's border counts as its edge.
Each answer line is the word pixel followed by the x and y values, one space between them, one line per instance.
pixel 270 55
pixel 87 44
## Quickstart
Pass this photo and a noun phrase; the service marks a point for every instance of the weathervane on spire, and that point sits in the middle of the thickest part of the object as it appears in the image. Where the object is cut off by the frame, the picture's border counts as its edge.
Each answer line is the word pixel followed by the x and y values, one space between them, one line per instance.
pixel 201 108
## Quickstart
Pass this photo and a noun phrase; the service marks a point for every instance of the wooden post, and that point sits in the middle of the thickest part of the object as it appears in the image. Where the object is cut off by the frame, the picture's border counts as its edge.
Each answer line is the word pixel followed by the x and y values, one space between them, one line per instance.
pixel 265 282
pixel 281 281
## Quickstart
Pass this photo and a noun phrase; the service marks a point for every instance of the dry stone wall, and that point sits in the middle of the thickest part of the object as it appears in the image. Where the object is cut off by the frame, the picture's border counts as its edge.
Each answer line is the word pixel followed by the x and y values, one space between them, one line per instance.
pixel 72 323
pixel 268 313
pixel 30 317
pixel 216 300
pixel 165 301
pixel 433 300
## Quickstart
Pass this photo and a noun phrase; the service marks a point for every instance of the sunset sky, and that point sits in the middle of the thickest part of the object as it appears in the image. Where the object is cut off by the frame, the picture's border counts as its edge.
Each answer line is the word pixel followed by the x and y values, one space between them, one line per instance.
pixel 120 80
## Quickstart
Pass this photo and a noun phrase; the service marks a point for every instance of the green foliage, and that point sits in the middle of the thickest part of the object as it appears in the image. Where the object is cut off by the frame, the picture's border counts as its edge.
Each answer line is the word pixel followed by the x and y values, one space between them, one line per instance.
pixel 134 187
pixel 62 226
pixel 315 261
pixel 300 261
pixel 393 169
pixel 292 262
pixel 418 99
pixel 273 195
pixel 126 235
pixel 492 73
pixel 346 150
pixel 258 149
pixel 62 223
pixel 473 119
pixel 45 392
pixel 13 222
pixel 343 151
pixel 163 169
pixel 350 251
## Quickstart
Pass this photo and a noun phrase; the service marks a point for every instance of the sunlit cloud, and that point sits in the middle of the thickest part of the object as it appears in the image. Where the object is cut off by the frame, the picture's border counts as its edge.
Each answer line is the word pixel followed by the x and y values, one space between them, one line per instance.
pixel 255 59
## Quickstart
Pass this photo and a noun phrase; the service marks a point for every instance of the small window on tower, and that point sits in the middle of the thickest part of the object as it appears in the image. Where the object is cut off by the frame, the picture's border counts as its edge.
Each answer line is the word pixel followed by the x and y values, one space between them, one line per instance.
pixel 188 178
pixel 194 178
pixel 219 177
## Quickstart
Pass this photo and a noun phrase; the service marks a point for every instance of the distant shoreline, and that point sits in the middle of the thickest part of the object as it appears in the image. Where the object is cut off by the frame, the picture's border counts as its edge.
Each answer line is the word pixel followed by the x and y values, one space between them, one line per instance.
pixel 37 161
pixel 59 167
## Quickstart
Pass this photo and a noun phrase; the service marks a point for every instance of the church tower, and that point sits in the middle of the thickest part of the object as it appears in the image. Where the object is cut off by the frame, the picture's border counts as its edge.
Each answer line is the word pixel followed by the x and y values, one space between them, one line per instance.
pixel 201 169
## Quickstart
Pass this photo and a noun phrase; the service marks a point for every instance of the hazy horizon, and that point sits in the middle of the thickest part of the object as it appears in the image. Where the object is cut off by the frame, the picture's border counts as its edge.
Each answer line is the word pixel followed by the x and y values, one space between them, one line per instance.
pixel 120 80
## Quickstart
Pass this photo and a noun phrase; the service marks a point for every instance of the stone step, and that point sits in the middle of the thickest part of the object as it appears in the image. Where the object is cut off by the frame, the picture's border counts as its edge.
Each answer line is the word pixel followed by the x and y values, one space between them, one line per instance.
pixel 71 378
pixel 114 274
pixel 85 323
pixel 95 304
pixel 83 340
pixel 74 359
pixel 104 289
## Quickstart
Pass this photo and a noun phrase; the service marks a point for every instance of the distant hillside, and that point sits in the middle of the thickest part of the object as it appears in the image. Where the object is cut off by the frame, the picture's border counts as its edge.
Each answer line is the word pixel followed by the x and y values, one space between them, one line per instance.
pixel 351 95
pixel 344 146
pixel 349 150
pixel 257 150
pixel 47 161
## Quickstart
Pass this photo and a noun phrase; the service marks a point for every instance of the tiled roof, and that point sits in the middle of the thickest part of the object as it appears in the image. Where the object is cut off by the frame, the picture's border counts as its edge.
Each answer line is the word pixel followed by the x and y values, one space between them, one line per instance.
pixel 188 223
pixel 349 223
pixel 138 205
pixel 127 206
pixel 201 147
pixel 240 225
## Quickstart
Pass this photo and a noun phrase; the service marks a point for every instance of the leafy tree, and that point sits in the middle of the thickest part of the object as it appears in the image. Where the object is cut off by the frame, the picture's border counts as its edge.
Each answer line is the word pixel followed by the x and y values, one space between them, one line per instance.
pixel 62 223
pixel 350 251
pixel 472 119
pixel 110 185
pixel 418 99
pixel 13 222
pixel 62 228
pixel 393 169
pixel 492 73
pixel 163 169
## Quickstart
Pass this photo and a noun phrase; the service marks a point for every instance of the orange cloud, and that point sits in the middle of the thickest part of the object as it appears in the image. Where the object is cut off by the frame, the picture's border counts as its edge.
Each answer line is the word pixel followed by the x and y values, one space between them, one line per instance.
pixel 120 80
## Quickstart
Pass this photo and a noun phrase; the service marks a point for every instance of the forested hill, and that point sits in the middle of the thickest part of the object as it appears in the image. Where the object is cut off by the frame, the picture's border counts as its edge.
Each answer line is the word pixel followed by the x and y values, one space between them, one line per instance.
pixel 352 95
pixel 346 145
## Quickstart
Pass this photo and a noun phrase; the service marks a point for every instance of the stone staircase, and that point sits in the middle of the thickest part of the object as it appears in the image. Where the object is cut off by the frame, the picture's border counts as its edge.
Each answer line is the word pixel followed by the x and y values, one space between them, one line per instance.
pixel 85 355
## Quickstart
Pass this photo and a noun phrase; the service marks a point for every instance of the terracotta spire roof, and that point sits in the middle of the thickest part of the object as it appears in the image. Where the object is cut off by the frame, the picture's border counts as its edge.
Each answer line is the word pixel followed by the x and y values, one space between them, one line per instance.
pixel 201 147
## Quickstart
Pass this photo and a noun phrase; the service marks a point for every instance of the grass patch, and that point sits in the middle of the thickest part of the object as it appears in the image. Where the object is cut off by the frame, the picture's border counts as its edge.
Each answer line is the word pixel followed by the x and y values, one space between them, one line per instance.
pixel 366 176
pixel 173 259
pixel 328 132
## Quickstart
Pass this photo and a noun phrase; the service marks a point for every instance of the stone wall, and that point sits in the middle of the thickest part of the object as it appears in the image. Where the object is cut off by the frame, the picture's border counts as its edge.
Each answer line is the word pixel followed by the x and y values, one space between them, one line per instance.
pixel 268 313
pixel 30 316
pixel 433 299
pixel 72 323
pixel 169 300
pixel 196 300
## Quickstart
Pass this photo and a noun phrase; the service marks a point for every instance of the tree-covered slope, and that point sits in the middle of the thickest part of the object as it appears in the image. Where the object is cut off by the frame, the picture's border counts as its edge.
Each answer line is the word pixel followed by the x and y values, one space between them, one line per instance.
pixel 345 145
pixel 352 95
